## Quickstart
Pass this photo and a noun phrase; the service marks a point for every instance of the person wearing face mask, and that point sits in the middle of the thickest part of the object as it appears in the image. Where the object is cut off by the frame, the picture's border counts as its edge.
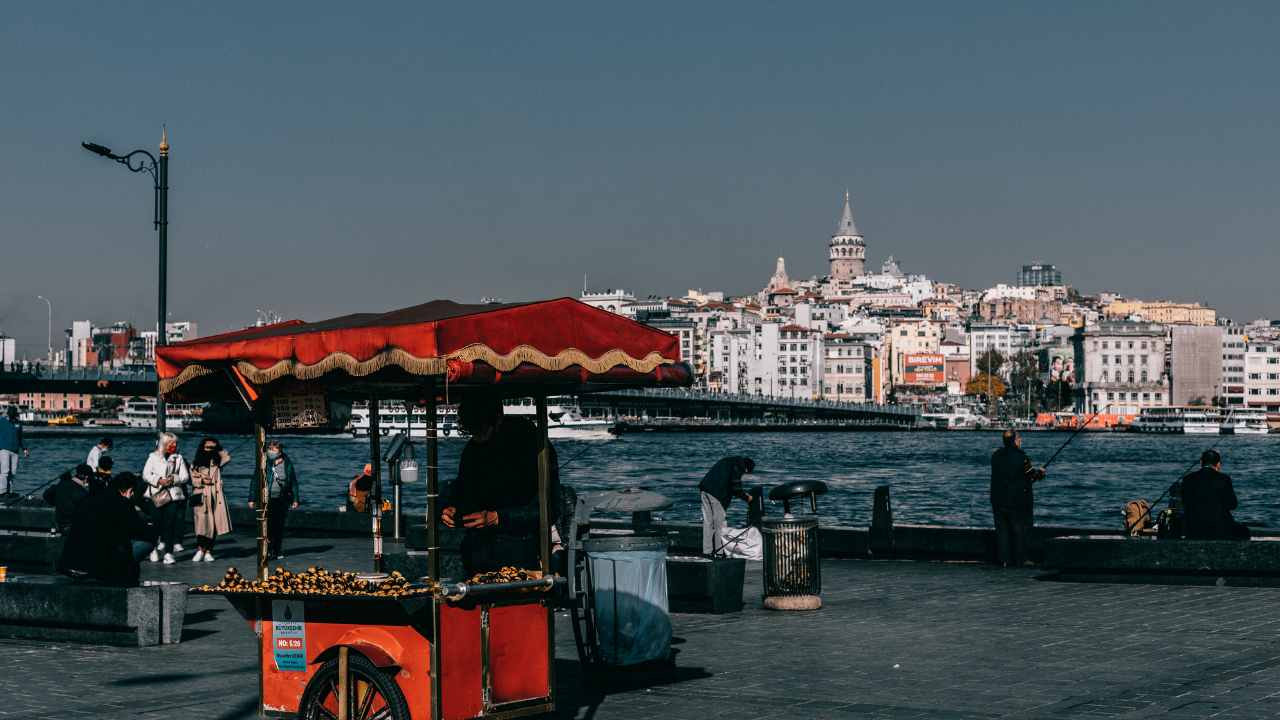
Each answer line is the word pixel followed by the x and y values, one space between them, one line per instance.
pixel 283 494
pixel 166 473
pixel 207 498
pixel 97 452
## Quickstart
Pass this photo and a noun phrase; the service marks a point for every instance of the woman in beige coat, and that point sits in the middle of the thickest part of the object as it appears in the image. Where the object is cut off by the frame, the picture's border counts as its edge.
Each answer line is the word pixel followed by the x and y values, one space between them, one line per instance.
pixel 210 510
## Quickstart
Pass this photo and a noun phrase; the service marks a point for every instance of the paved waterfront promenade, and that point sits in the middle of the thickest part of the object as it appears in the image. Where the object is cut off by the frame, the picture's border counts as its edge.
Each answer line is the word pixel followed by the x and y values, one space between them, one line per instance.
pixel 969 640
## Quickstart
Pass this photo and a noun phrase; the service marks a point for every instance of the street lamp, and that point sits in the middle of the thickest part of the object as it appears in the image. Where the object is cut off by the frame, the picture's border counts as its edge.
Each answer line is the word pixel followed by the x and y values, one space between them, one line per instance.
pixel 159 170
pixel 50 356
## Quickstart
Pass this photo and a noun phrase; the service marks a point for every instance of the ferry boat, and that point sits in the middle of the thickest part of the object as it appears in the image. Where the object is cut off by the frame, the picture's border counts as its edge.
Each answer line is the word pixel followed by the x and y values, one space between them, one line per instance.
pixel 1246 422
pixel 956 418
pixel 143 415
pixel 1202 421
pixel 564 416
pixel 65 421
pixel 1160 420
pixel 392 420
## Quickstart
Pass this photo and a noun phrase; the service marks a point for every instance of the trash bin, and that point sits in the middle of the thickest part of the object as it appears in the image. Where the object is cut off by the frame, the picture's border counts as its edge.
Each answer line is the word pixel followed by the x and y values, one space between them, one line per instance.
pixel 629 586
pixel 792 573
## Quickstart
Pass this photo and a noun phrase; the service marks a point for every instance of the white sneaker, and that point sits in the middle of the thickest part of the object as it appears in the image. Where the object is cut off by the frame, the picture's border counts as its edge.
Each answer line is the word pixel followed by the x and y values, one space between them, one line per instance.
pixel 155 556
pixel 199 556
pixel 208 557
pixel 159 547
pixel 168 559
pixel 177 547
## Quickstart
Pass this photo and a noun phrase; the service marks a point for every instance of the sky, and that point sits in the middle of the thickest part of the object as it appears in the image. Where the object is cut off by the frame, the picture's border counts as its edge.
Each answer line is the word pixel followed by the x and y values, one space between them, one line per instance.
pixel 336 158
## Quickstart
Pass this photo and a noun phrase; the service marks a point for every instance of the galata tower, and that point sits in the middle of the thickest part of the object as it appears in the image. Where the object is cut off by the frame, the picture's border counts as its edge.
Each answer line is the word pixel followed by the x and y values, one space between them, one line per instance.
pixel 848 250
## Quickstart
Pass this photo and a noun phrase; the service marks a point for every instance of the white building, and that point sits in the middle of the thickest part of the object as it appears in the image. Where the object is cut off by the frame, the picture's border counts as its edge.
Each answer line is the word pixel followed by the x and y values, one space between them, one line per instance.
pixel 1009 291
pixel 1262 376
pixel 611 300
pixel 772 359
pixel 1123 367
pixel 1233 363
pixel 847 372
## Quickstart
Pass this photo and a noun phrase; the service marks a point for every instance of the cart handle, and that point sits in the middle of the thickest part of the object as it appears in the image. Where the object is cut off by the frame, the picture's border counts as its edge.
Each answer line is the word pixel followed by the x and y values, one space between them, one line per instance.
pixel 462 589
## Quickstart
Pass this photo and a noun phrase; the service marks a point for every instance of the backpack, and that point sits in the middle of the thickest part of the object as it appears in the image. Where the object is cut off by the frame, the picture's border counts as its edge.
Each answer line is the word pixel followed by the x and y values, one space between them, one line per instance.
pixel 1137 516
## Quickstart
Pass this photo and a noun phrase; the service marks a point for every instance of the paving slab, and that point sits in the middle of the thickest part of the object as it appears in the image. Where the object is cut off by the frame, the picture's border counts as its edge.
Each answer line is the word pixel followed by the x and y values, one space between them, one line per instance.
pixel 894 639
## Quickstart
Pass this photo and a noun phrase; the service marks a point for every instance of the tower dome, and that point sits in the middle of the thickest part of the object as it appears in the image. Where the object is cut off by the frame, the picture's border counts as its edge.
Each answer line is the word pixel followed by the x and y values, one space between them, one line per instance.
pixel 848 251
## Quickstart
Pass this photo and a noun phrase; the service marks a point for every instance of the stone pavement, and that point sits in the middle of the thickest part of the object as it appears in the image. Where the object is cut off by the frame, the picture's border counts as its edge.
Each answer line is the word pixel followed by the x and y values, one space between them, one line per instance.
pixel 893 640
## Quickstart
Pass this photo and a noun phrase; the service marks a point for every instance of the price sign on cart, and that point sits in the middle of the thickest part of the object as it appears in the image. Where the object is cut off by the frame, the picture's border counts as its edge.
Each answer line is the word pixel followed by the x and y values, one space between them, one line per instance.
pixel 289 624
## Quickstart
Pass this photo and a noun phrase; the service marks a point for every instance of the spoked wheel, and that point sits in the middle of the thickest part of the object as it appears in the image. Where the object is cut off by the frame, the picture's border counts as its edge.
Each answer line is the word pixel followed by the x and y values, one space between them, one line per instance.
pixel 371 694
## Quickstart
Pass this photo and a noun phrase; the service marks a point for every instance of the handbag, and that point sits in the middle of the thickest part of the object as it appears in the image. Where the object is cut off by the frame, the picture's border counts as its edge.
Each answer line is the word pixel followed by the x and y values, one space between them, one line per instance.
pixel 161 498
pixel 197 500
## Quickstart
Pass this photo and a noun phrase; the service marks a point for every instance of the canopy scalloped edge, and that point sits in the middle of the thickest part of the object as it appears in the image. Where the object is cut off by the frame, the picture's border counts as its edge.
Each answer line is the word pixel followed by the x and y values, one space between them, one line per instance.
pixel 422 366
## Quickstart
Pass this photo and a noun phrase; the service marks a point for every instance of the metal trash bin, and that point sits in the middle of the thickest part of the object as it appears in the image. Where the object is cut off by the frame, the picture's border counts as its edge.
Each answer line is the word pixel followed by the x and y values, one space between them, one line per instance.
pixel 792 572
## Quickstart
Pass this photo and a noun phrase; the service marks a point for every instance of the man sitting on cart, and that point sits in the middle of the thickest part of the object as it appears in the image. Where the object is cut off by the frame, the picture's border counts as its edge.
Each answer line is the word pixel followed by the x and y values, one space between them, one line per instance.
pixel 495 497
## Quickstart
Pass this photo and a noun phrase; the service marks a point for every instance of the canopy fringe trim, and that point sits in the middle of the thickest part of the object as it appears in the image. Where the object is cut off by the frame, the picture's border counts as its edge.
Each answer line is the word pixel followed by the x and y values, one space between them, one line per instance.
pixel 421 366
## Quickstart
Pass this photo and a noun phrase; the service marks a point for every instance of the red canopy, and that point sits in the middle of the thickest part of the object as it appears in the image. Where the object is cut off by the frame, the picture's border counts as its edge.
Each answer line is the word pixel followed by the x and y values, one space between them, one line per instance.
pixel 563 342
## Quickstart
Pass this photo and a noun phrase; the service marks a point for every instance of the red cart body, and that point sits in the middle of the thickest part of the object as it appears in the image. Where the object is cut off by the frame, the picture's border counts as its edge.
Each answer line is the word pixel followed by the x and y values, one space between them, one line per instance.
pixel 495 656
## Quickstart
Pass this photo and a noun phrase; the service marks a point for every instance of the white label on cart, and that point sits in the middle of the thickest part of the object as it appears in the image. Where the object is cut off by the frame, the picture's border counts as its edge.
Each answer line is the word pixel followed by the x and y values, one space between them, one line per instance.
pixel 289 625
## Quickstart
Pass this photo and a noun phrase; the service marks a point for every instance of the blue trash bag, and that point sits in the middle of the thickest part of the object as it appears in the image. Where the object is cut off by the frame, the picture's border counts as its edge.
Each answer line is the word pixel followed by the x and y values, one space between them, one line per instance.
pixel 632 617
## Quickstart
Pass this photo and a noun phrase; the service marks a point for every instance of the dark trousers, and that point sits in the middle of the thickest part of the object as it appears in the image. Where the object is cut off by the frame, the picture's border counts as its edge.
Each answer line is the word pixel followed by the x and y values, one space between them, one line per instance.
pixel 205 542
pixel 1012 524
pixel 276 509
pixel 168 520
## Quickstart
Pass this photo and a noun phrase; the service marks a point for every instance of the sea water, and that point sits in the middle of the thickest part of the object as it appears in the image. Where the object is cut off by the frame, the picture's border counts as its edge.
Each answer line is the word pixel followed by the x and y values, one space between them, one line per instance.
pixel 935 478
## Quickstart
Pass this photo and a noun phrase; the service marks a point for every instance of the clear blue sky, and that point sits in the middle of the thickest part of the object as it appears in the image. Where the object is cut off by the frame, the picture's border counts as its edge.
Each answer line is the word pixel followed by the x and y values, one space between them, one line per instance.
pixel 334 158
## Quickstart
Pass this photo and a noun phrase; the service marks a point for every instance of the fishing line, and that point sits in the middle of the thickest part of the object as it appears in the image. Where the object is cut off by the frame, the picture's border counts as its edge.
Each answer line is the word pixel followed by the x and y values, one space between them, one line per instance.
pixel 1073 436
pixel 575 457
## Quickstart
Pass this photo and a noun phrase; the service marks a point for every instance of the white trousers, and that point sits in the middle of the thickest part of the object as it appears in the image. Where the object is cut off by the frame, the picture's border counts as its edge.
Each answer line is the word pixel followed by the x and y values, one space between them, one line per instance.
pixel 8 469
pixel 712 522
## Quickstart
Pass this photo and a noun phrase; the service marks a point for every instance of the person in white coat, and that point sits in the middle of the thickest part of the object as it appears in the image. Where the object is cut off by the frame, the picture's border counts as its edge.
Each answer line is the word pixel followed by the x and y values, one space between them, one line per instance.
pixel 167 474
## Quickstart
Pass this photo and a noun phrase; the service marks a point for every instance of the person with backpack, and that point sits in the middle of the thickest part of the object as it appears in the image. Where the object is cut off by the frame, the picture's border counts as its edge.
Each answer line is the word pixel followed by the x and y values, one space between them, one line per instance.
pixel 282 484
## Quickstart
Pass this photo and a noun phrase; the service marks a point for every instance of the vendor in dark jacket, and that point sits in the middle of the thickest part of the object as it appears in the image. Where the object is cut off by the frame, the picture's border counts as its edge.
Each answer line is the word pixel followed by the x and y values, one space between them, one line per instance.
pixel 721 484
pixel 495 497
pixel 108 537
pixel 1011 499
pixel 1207 500
pixel 72 492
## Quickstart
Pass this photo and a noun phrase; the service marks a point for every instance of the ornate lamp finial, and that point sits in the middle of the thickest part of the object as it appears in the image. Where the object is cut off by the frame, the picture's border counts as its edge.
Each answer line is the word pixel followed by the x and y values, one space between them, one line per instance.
pixel 164 145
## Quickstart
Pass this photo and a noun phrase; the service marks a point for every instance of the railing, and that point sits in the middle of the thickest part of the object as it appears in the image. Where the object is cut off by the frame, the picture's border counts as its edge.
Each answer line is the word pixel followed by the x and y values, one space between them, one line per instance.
pixel 94 372
pixel 761 400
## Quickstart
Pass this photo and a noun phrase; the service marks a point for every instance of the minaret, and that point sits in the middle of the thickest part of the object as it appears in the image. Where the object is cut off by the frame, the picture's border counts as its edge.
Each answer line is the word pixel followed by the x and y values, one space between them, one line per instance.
pixel 848 250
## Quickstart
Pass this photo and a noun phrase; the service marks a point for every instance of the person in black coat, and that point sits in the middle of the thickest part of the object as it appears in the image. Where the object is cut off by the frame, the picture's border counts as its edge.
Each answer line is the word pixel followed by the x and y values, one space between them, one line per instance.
pixel 71 493
pixel 1207 500
pixel 721 484
pixel 108 537
pixel 495 497
pixel 1012 500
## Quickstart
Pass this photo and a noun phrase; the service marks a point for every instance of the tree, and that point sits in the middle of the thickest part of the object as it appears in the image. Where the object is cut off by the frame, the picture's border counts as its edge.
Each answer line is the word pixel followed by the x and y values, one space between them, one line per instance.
pixel 1197 401
pixel 990 362
pixel 1024 368
pixel 985 385
pixel 1073 295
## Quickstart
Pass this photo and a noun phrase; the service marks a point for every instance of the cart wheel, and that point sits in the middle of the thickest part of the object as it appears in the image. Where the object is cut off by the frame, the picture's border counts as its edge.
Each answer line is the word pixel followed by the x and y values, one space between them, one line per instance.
pixel 374 695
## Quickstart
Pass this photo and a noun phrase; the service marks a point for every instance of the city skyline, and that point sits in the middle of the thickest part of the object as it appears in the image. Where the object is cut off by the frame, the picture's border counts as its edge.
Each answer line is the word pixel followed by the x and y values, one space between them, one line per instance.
pixel 347 161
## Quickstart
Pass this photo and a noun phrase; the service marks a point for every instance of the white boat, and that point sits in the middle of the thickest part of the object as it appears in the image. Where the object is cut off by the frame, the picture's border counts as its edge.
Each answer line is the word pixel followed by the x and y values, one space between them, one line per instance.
pixel 138 415
pixel 564 417
pixel 1202 421
pixel 1246 422
pixel 143 415
pixel 1160 420
pixel 956 418
pixel 392 420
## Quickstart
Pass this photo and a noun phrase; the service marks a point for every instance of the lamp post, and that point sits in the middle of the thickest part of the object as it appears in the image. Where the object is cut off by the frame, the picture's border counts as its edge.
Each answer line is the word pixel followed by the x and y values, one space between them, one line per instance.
pixel 159 170
pixel 50 339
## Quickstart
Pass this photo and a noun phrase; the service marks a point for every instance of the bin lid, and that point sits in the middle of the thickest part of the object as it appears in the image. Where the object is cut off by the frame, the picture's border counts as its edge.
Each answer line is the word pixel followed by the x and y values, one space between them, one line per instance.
pixel 797 489
pixel 625 543
pixel 626 500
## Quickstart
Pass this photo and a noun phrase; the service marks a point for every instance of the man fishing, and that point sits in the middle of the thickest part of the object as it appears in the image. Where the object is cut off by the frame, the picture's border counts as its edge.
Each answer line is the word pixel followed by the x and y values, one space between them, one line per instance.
pixel 1012 500
pixel 1208 499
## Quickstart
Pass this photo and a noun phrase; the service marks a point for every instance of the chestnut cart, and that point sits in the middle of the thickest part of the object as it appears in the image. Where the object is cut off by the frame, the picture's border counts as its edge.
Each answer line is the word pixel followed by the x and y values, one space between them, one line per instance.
pixel 455 650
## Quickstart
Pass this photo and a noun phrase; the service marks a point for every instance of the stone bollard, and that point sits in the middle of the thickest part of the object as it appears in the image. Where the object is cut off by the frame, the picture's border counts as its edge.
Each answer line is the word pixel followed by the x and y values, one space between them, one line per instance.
pixel 880 536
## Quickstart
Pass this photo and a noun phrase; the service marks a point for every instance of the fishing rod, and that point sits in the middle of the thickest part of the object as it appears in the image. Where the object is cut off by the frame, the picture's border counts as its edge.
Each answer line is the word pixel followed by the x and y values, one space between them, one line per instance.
pixel 1147 513
pixel 575 457
pixel 56 479
pixel 1083 425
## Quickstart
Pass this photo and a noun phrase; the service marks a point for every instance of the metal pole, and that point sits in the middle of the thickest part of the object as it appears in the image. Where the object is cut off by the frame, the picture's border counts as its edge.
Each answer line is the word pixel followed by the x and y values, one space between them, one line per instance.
pixel 49 357
pixel 375 459
pixel 162 227
pixel 544 533
pixel 344 699
pixel 261 491
pixel 433 548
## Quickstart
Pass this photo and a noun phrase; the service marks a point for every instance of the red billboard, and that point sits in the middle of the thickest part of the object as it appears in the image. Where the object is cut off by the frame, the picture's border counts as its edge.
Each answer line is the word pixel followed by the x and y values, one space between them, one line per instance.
pixel 924 369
